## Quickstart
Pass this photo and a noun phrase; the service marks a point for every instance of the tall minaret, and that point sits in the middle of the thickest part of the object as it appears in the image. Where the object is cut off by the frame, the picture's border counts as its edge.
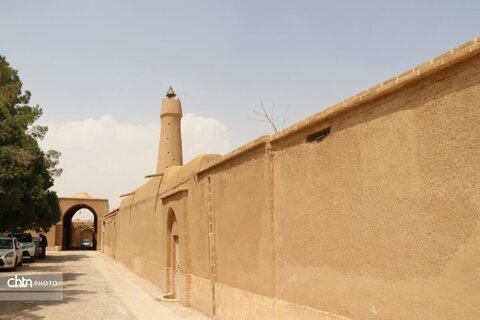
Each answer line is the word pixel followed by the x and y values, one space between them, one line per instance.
pixel 170 146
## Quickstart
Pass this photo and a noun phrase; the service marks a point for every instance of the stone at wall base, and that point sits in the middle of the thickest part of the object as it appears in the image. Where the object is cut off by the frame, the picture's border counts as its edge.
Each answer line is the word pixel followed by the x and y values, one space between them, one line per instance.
pixel 169 297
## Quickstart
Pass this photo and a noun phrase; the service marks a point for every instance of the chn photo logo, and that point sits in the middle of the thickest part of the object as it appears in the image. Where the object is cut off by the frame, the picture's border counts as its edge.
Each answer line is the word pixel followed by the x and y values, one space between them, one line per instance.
pixel 19 282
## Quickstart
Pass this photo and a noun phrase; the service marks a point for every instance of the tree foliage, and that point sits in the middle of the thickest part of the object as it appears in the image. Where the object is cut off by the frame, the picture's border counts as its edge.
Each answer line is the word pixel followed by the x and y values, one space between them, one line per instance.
pixel 26 172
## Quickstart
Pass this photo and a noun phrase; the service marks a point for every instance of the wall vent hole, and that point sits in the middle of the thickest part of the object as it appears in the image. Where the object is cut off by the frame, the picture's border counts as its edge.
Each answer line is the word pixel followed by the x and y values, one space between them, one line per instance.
pixel 318 136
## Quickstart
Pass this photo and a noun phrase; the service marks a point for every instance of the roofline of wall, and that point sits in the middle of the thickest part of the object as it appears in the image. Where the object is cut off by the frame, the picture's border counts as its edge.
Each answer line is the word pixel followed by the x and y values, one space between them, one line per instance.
pixel 436 64
pixel 173 192
pixel 235 153
pixel 80 199
pixel 111 213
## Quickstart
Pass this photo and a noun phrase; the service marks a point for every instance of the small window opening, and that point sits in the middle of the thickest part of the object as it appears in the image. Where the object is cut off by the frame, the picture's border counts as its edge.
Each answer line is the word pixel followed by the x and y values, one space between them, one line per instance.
pixel 318 136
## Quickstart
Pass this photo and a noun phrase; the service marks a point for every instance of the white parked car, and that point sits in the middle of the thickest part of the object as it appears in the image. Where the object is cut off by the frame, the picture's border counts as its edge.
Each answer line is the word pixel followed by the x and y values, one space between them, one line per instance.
pixel 10 253
pixel 28 245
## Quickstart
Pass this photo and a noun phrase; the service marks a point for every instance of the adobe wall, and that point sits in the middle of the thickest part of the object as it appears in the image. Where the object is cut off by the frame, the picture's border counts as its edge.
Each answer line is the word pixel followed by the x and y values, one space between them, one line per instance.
pixel 242 251
pixel 109 238
pixel 138 235
pixel 388 206
pixel 379 220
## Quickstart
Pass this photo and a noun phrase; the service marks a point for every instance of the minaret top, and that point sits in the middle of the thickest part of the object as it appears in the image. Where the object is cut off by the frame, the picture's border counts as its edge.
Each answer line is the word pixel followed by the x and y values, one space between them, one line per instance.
pixel 170 145
pixel 170 93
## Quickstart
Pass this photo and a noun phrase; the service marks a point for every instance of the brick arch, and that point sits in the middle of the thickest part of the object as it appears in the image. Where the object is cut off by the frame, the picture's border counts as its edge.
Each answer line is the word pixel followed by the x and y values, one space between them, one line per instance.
pixel 67 225
pixel 68 207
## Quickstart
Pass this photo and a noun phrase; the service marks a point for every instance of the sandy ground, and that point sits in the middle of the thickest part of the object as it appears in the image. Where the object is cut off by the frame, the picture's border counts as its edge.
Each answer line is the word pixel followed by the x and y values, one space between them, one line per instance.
pixel 95 287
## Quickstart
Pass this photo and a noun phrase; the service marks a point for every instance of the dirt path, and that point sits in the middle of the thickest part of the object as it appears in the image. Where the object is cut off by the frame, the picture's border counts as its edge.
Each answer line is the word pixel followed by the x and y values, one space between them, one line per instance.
pixel 95 287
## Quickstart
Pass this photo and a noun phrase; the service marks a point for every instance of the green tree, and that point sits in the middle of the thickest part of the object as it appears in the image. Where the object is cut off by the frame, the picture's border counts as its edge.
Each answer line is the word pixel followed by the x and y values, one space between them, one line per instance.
pixel 26 172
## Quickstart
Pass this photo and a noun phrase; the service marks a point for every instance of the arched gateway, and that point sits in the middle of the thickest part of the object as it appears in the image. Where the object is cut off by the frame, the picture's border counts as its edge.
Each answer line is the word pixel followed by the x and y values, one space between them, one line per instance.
pixel 61 235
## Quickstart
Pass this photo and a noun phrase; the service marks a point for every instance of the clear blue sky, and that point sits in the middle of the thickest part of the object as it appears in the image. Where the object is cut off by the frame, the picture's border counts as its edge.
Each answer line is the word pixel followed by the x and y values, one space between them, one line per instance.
pixel 84 59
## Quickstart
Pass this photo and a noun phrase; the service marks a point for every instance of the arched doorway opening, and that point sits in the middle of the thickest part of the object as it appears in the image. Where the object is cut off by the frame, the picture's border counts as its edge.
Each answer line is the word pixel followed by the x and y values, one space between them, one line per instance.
pixel 80 228
pixel 173 255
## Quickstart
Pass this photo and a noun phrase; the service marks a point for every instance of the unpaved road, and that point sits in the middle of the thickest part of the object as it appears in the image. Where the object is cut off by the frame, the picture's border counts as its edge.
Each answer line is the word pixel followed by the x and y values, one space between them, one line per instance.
pixel 95 287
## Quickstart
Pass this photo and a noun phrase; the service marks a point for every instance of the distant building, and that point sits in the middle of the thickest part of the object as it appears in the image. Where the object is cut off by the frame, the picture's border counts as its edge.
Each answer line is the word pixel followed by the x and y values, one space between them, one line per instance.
pixel 67 234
